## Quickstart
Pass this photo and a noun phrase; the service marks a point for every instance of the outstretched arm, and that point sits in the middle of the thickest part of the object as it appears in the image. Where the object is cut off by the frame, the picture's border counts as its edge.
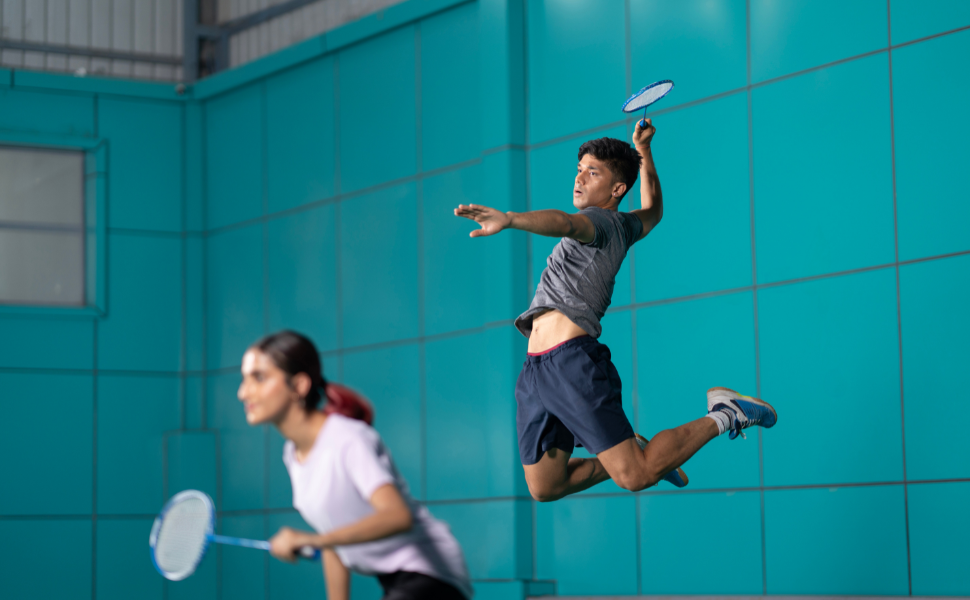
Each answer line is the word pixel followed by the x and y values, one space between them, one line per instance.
pixel 651 198
pixel 551 223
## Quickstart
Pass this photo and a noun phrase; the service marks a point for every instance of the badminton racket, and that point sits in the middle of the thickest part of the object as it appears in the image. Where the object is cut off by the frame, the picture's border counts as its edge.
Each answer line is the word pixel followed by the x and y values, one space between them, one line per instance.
pixel 183 531
pixel 646 97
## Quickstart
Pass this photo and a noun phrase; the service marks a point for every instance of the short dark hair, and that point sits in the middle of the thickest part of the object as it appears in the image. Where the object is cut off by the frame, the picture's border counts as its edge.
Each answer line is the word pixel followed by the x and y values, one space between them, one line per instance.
pixel 622 159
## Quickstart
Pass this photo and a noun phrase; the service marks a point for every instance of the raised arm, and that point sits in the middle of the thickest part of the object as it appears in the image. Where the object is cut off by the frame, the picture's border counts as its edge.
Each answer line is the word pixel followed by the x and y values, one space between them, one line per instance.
pixel 651 198
pixel 551 223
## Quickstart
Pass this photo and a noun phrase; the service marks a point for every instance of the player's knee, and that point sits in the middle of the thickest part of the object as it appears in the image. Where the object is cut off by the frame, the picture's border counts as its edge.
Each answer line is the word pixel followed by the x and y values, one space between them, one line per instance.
pixel 543 493
pixel 635 482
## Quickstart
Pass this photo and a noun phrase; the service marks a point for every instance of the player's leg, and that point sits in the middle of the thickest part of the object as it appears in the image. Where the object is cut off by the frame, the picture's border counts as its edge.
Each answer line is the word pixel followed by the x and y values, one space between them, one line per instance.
pixel 557 474
pixel 634 468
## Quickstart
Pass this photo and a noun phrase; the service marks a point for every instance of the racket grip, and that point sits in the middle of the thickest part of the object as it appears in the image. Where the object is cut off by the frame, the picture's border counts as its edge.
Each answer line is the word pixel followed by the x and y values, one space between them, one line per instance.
pixel 642 123
pixel 309 553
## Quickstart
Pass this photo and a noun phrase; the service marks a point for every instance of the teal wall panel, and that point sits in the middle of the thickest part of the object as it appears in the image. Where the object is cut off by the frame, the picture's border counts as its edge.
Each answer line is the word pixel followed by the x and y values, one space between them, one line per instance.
pixel 391 379
pixel 379 266
pixel 143 329
pixel 939 538
pixel 234 157
pixel 703 243
pixel 931 188
pixel 471 379
pixel 576 66
pixel 669 529
pixel 26 577
pixel 912 19
pixel 194 282
pixel 145 174
pixel 700 44
pixel 243 570
pixel 789 36
pixel 679 359
pixel 495 536
pixel 191 462
pixel 377 110
pixel 839 357
pixel 39 112
pixel 37 342
pixel 935 324
pixel 234 294
pixel 134 412
pixel 848 103
pixel 450 88
pixel 579 536
pixel 65 406
pixel 300 135
pixel 121 572
pixel 302 262
pixel 856 536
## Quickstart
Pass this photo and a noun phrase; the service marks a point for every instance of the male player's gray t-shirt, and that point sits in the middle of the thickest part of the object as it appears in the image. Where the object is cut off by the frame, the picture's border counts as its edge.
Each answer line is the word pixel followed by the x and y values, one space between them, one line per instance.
pixel 578 278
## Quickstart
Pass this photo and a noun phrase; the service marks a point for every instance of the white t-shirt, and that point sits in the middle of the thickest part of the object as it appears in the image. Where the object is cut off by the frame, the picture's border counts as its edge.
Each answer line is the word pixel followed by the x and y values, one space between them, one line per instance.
pixel 332 488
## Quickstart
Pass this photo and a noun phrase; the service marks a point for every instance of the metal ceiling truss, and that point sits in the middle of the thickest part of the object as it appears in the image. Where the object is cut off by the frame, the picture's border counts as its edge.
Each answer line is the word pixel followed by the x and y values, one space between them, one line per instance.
pixel 207 41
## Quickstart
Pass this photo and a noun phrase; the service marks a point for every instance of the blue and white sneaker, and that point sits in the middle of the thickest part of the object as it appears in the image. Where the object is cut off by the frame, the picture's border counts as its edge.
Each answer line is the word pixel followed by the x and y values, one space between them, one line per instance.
pixel 744 411
pixel 676 477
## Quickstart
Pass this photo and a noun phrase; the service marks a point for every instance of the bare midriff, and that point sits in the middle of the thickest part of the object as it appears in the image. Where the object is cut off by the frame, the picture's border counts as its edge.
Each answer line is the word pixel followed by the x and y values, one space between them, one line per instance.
pixel 551 329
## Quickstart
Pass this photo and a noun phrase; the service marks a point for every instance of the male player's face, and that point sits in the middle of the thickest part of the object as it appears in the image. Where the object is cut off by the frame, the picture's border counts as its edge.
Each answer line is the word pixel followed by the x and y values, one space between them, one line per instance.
pixel 594 184
pixel 265 392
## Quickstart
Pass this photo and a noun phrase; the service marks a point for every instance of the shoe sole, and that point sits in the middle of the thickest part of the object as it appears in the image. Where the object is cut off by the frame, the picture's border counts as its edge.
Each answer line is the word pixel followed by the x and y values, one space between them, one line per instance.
pixel 716 395
pixel 677 477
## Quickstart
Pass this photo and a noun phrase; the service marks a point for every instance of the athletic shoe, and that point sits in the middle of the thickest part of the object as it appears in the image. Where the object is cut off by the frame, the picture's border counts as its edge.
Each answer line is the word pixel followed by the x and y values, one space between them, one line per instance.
pixel 676 477
pixel 744 411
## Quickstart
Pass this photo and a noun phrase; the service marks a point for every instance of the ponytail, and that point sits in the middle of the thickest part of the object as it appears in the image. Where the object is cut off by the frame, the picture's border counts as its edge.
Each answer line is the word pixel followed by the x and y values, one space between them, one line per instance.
pixel 294 353
pixel 342 400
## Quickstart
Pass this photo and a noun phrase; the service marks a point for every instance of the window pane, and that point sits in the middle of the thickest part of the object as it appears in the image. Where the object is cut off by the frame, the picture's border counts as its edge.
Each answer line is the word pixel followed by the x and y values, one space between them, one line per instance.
pixel 41 267
pixel 41 187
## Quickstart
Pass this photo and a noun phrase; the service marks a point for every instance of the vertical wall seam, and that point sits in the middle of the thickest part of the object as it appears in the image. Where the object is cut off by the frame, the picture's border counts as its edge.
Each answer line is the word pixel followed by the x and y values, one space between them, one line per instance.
pixel 94 468
pixel 183 359
pixel 338 271
pixel 419 185
pixel 264 168
pixel 754 293
pixel 899 306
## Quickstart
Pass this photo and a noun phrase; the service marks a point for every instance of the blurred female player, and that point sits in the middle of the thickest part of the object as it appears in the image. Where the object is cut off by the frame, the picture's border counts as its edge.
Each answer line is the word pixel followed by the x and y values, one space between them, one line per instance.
pixel 345 484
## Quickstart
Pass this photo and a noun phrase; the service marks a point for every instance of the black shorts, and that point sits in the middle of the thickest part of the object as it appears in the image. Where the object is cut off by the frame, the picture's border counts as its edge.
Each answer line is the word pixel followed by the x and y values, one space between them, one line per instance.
pixel 569 396
pixel 404 585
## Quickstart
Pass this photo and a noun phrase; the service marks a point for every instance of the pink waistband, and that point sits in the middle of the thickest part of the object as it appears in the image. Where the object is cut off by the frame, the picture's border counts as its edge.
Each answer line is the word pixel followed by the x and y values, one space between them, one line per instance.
pixel 548 350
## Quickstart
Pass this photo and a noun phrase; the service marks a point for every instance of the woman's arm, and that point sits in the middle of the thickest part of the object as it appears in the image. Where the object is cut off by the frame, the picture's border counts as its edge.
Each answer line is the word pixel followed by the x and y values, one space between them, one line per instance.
pixel 391 516
pixel 336 576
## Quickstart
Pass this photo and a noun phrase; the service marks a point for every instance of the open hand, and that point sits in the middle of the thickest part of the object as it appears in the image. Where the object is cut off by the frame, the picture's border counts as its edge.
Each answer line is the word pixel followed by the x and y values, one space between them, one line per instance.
pixel 491 220
pixel 643 135
pixel 287 542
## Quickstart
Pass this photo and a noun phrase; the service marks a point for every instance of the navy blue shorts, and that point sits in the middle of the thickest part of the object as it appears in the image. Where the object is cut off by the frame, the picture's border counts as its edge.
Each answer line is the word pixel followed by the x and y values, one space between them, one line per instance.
pixel 569 396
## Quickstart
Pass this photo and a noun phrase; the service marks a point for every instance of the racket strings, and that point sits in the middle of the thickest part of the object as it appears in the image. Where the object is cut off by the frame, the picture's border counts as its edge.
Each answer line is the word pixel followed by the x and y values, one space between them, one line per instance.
pixel 647 97
pixel 182 537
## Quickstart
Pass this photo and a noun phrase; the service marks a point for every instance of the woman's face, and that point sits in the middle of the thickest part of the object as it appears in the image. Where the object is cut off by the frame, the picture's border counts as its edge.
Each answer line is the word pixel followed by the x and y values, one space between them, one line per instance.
pixel 265 392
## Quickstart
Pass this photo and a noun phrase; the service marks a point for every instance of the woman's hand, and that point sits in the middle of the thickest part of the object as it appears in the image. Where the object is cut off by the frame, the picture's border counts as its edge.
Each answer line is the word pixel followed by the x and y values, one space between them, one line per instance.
pixel 287 542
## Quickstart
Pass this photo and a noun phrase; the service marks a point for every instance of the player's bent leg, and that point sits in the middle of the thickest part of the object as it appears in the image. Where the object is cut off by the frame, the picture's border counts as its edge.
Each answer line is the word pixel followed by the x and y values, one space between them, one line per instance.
pixel 676 477
pixel 635 469
pixel 556 475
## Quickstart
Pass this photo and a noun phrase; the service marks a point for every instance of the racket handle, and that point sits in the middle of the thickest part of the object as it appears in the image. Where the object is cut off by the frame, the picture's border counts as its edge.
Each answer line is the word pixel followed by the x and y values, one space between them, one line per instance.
pixel 309 553
pixel 642 123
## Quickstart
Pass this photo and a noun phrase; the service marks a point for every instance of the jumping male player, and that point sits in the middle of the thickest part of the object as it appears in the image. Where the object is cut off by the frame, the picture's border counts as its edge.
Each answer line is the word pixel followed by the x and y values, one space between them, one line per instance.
pixel 568 392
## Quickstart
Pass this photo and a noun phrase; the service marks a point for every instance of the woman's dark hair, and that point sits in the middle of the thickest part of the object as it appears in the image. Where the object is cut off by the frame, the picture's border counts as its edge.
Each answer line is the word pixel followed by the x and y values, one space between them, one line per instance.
pixel 293 354
pixel 620 157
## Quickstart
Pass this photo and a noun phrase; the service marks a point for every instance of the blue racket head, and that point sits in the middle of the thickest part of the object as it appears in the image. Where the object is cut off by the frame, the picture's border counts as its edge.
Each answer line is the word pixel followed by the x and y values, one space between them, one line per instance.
pixel 648 95
pixel 180 534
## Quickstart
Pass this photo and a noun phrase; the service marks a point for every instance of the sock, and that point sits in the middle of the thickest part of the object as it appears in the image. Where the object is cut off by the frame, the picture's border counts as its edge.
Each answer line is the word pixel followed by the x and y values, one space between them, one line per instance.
pixel 722 419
